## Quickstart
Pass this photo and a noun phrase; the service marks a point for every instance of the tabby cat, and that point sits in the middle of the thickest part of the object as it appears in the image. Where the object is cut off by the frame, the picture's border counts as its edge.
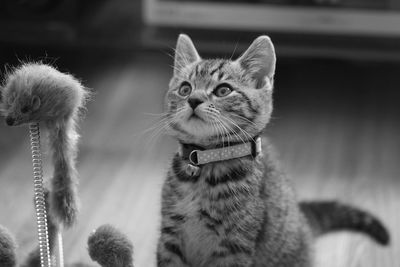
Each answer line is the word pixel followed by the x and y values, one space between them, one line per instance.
pixel 236 211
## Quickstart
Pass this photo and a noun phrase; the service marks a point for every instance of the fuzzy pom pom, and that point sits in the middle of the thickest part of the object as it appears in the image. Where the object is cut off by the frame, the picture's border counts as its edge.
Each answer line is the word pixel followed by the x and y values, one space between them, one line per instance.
pixel 7 249
pixel 110 248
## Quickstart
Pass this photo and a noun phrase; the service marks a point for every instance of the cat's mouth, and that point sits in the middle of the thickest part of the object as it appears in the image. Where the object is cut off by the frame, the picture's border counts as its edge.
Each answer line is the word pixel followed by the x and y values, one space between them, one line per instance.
pixel 194 116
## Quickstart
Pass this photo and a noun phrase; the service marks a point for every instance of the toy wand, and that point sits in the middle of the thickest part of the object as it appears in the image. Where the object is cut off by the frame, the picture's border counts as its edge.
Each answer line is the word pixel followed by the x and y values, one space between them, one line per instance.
pixel 40 203
pixel 38 93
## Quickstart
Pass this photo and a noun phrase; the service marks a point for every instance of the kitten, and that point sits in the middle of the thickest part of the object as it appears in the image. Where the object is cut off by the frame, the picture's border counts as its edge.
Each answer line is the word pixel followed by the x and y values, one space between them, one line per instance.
pixel 37 92
pixel 240 211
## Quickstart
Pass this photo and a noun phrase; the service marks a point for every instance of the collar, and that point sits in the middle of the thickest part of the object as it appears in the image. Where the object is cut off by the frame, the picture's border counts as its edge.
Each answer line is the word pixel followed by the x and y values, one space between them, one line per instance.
pixel 199 156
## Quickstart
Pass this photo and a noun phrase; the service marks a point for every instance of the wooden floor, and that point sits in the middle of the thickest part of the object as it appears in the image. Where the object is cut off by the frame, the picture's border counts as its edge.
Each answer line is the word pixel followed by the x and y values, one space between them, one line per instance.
pixel 336 128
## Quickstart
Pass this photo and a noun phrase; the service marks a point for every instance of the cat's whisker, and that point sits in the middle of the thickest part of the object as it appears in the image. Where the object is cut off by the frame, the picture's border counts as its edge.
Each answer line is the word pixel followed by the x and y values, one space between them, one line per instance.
pixel 238 134
pixel 232 134
pixel 185 62
pixel 217 130
pixel 152 138
pixel 154 126
pixel 172 56
pixel 240 128
pixel 181 65
pixel 246 135
pixel 162 126
pixel 183 55
pixel 155 114
pixel 160 131
pixel 228 134
pixel 224 131
pixel 244 118
pixel 178 72
pixel 230 129
pixel 211 117
pixel 162 114
pixel 157 127
pixel 234 50
pixel 222 134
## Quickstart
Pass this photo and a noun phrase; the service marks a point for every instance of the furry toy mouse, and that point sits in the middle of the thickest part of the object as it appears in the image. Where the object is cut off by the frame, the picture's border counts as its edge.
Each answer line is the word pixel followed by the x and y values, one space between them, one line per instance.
pixel 36 92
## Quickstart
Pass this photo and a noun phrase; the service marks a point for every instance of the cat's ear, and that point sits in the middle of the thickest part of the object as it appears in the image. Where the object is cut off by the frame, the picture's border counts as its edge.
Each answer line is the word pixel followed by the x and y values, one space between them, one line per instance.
pixel 185 53
pixel 259 60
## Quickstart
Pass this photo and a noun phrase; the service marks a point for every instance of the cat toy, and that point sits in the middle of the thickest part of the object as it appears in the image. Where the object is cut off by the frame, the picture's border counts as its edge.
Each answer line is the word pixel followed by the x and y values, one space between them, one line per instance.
pixel 106 245
pixel 38 93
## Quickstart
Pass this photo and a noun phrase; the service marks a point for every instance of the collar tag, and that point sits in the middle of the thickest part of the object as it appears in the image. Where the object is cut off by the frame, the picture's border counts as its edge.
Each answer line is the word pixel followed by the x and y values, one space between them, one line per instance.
pixel 192 170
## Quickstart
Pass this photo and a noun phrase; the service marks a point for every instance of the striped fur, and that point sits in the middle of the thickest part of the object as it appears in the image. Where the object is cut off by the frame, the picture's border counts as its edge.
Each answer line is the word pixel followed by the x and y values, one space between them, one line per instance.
pixel 219 218
pixel 239 212
pixel 330 216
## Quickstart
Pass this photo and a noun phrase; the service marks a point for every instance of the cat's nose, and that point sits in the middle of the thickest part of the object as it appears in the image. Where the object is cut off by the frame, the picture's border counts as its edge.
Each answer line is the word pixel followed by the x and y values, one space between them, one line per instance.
pixel 194 102
pixel 10 121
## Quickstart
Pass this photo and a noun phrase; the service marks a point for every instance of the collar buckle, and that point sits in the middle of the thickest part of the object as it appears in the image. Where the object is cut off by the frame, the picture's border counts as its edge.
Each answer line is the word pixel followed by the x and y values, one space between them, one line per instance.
pixel 193 158
pixel 256 147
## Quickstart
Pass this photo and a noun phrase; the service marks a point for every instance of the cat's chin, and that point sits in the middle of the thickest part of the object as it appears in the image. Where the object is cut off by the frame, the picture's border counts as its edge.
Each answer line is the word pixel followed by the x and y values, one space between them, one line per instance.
pixel 205 142
pixel 196 119
pixel 198 128
pixel 203 135
pixel 195 130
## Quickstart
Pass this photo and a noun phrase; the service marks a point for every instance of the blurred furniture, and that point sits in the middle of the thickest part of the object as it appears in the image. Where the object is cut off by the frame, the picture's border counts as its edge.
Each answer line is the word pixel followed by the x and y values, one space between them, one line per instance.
pixel 69 23
pixel 344 28
pixel 350 29
pixel 38 21
pixel 357 17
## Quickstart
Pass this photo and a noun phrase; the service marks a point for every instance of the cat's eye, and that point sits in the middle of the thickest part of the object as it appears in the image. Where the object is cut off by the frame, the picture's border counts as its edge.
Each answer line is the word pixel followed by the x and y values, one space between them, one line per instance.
pixel 223 90
pixel 24 109
pixel 185 89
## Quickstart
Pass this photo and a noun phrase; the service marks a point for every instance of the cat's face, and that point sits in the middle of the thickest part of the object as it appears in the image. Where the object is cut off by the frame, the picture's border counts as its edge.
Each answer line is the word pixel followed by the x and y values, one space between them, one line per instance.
pixel 214 101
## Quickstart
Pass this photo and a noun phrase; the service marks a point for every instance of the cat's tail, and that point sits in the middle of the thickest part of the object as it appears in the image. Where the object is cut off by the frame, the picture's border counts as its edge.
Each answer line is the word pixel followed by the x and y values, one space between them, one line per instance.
pixel 329 216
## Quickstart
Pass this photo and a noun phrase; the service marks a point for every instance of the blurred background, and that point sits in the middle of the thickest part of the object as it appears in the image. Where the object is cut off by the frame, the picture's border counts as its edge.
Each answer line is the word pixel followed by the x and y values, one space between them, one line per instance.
pixel 335 126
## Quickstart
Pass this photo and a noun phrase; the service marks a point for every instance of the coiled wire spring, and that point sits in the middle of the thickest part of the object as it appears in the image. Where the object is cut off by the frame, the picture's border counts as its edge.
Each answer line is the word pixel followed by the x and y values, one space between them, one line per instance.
pixel 40 202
